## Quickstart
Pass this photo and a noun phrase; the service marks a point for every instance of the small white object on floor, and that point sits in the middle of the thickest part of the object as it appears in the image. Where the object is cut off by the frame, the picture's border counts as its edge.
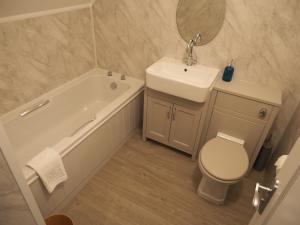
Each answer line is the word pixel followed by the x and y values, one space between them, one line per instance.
pixel 49 166
pixel 280 162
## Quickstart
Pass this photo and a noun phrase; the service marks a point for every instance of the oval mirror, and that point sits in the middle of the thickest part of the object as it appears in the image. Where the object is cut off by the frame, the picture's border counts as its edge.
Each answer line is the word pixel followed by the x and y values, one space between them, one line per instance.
pixel 200 16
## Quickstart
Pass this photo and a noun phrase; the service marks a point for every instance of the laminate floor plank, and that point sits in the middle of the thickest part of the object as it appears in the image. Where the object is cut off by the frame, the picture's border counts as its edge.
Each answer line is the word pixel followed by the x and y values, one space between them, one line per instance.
pixel 146 183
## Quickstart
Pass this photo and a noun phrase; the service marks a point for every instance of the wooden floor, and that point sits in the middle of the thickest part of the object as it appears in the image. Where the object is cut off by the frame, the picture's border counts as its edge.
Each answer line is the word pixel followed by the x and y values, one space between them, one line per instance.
pixel 148 184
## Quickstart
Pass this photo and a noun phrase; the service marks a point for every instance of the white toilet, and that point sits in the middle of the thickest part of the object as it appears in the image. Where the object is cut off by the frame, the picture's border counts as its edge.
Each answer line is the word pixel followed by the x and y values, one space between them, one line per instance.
pixel 223 161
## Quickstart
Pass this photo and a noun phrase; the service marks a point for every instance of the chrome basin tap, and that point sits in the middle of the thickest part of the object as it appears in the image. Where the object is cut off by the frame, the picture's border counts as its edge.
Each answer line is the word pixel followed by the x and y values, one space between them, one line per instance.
pixel 189 58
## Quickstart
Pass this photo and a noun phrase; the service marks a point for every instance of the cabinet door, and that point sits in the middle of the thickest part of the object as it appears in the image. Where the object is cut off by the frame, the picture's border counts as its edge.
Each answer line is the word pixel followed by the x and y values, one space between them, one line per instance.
pixel 237 127
pixel 158 119
pixel 184 128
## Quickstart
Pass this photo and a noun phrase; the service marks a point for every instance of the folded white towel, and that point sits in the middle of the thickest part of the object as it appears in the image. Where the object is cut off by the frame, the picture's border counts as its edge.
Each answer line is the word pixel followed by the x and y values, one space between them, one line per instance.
pixel 49 166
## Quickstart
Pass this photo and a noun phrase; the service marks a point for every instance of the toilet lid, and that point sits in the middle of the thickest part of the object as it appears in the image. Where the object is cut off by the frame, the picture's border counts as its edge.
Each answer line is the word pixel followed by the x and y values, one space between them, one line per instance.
pixel 224 159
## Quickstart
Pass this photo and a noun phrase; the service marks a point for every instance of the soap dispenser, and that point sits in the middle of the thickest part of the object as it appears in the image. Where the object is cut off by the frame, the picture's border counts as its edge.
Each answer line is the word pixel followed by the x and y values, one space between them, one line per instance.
pixel 228 72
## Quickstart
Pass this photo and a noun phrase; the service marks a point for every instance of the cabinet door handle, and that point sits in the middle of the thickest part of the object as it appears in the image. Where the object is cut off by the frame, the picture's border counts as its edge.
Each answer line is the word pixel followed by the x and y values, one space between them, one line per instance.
pixel 174 114
pixel 169 113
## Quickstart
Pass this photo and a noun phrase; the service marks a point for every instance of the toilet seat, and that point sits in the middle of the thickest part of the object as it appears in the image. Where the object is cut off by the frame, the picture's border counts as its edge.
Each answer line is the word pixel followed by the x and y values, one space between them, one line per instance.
pixel 224 160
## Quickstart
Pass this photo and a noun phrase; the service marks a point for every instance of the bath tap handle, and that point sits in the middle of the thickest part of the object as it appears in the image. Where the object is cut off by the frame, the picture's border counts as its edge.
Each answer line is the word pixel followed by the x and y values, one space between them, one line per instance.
pixel 123 76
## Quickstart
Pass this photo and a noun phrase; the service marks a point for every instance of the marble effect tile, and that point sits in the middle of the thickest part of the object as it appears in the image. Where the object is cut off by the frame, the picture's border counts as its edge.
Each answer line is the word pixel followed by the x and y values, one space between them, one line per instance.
pixel 41 53
pixel 13 208
pixel 289 137
pixel 262 36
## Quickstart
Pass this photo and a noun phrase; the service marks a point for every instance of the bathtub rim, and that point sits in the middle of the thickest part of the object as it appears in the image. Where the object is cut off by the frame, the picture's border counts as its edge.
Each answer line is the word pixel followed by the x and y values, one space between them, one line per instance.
pixel 10 115
pixel 66 144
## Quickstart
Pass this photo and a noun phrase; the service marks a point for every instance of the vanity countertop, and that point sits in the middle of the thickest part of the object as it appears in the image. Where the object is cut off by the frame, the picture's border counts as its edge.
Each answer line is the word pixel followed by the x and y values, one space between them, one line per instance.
pixel 249 90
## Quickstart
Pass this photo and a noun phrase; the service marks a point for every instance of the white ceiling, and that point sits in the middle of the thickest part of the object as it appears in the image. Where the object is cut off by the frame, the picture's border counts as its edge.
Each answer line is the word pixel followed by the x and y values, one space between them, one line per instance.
pixel 10 8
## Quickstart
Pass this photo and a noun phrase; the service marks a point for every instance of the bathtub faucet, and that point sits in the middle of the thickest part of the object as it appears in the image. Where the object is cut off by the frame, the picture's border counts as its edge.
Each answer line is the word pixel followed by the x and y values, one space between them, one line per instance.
pixel 189 58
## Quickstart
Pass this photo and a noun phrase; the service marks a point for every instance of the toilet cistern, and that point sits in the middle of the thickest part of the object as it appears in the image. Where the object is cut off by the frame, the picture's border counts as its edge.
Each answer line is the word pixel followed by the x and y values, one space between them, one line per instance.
pixel 190 58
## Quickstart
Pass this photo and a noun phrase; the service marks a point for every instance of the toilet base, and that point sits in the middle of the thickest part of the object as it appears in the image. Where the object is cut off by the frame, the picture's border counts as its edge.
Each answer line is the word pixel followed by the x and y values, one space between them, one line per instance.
pixel 212 190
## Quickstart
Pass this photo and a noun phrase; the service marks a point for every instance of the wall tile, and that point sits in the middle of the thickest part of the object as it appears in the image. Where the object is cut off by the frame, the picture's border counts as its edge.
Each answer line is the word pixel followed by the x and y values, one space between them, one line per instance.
pixel 262 37
pixel 41 53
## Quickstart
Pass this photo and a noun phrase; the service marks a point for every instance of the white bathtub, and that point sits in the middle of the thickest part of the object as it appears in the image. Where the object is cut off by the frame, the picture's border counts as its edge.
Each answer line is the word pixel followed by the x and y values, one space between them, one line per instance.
pixel 86 120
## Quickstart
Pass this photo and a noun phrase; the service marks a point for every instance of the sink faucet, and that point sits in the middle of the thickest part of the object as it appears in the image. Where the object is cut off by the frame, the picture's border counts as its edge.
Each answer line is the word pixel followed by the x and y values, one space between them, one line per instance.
pixel 189 59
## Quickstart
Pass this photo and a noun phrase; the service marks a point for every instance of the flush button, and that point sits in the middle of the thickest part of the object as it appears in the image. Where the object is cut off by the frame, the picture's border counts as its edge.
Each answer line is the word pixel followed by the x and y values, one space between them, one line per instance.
pixel 262 113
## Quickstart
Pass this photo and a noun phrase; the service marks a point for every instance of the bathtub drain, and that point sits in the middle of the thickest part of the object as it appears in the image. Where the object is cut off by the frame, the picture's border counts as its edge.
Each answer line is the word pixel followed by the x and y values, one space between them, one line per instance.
pixel 113 85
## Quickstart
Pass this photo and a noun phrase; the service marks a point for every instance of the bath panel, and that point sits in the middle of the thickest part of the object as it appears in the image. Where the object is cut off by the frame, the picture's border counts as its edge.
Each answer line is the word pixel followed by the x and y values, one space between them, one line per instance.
pixel 86 120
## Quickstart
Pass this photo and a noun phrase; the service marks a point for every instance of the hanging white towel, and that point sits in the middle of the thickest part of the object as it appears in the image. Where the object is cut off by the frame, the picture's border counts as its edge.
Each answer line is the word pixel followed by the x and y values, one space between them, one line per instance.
pixel 49 166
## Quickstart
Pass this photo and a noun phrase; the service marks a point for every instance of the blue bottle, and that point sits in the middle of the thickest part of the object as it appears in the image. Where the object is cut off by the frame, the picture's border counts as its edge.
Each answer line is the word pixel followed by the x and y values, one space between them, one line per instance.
pixel 228 72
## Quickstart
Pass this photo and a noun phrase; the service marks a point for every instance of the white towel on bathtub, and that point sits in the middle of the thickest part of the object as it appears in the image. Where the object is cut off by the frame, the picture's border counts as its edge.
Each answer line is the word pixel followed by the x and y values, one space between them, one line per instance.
pixel 49 166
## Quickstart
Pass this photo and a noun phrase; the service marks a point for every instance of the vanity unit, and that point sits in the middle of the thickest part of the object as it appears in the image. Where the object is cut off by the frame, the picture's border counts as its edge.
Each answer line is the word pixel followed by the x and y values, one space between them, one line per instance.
pixel 185 107
pixel 175 103
pixel 173 121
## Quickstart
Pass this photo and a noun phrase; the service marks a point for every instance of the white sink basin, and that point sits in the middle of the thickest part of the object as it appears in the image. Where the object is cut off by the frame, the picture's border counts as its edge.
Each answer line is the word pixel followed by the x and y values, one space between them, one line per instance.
pixel 175 78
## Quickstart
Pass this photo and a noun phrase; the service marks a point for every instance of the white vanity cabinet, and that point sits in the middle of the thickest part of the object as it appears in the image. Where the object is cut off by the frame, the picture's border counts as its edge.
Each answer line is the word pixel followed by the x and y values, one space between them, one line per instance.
pixel 173 121
pixel 245 112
